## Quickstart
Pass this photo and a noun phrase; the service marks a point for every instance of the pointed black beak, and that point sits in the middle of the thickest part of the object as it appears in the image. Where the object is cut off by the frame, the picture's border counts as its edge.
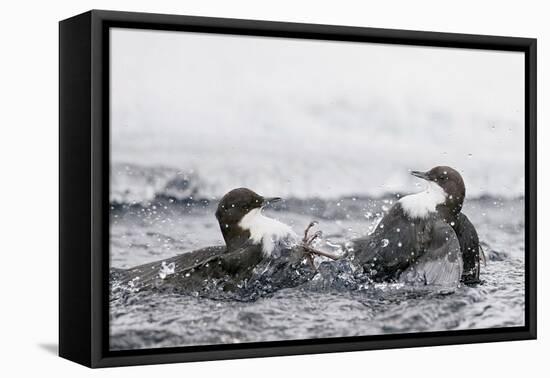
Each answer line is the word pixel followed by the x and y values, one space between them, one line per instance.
pixel 269 200
pixel 422 175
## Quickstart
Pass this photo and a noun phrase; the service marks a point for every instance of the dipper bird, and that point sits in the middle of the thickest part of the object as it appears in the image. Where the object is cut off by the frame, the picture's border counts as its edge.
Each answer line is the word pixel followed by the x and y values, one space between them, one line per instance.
pixel 256 247
pixel 424 238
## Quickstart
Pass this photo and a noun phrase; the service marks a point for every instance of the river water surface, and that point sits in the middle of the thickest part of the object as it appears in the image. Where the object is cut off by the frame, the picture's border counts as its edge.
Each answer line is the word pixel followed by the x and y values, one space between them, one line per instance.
pixel 324 307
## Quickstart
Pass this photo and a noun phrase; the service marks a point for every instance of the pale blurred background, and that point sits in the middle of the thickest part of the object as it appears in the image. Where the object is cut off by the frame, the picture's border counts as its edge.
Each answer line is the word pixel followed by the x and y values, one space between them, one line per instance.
pixel 301 118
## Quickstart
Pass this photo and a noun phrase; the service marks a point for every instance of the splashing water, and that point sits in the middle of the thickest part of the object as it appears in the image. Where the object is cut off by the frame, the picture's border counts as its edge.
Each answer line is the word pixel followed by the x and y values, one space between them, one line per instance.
pixel 166 270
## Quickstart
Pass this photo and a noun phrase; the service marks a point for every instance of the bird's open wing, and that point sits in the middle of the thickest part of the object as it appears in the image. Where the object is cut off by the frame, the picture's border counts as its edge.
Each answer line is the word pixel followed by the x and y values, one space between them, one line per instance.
pixel 441 262
pixel 390 249
pixel 223 270
pixel 144 276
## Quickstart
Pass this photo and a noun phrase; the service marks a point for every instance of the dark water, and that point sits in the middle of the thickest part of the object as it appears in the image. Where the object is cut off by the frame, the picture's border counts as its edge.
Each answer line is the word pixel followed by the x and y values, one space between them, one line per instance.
pixel 321 308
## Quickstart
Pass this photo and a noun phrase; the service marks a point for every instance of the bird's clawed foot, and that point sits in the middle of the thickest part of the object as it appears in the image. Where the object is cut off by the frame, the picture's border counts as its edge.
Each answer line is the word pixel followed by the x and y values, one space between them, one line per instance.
pixel 307 240
pixel 310 251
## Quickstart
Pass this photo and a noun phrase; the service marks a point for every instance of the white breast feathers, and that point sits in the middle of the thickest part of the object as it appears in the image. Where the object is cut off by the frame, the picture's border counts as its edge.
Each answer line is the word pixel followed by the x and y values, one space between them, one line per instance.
pixel 267 231
pixel 419 205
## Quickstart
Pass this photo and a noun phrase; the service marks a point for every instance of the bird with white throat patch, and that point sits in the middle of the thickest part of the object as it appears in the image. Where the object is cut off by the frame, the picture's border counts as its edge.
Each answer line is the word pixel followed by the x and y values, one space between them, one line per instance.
pixel 252 240
pixel 424 238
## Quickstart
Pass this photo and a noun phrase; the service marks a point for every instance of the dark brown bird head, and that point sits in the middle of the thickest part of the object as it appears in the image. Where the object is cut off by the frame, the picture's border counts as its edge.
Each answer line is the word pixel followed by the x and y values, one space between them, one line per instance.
pixel 233 206
pixel 452 184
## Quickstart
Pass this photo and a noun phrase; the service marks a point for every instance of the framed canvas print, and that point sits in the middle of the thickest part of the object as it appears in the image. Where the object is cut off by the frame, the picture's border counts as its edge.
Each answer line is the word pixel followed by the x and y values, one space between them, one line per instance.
pixel 235 188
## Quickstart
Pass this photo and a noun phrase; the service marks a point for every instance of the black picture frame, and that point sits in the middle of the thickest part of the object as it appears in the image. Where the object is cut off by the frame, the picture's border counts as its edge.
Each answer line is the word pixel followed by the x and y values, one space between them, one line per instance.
pixel 84 187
